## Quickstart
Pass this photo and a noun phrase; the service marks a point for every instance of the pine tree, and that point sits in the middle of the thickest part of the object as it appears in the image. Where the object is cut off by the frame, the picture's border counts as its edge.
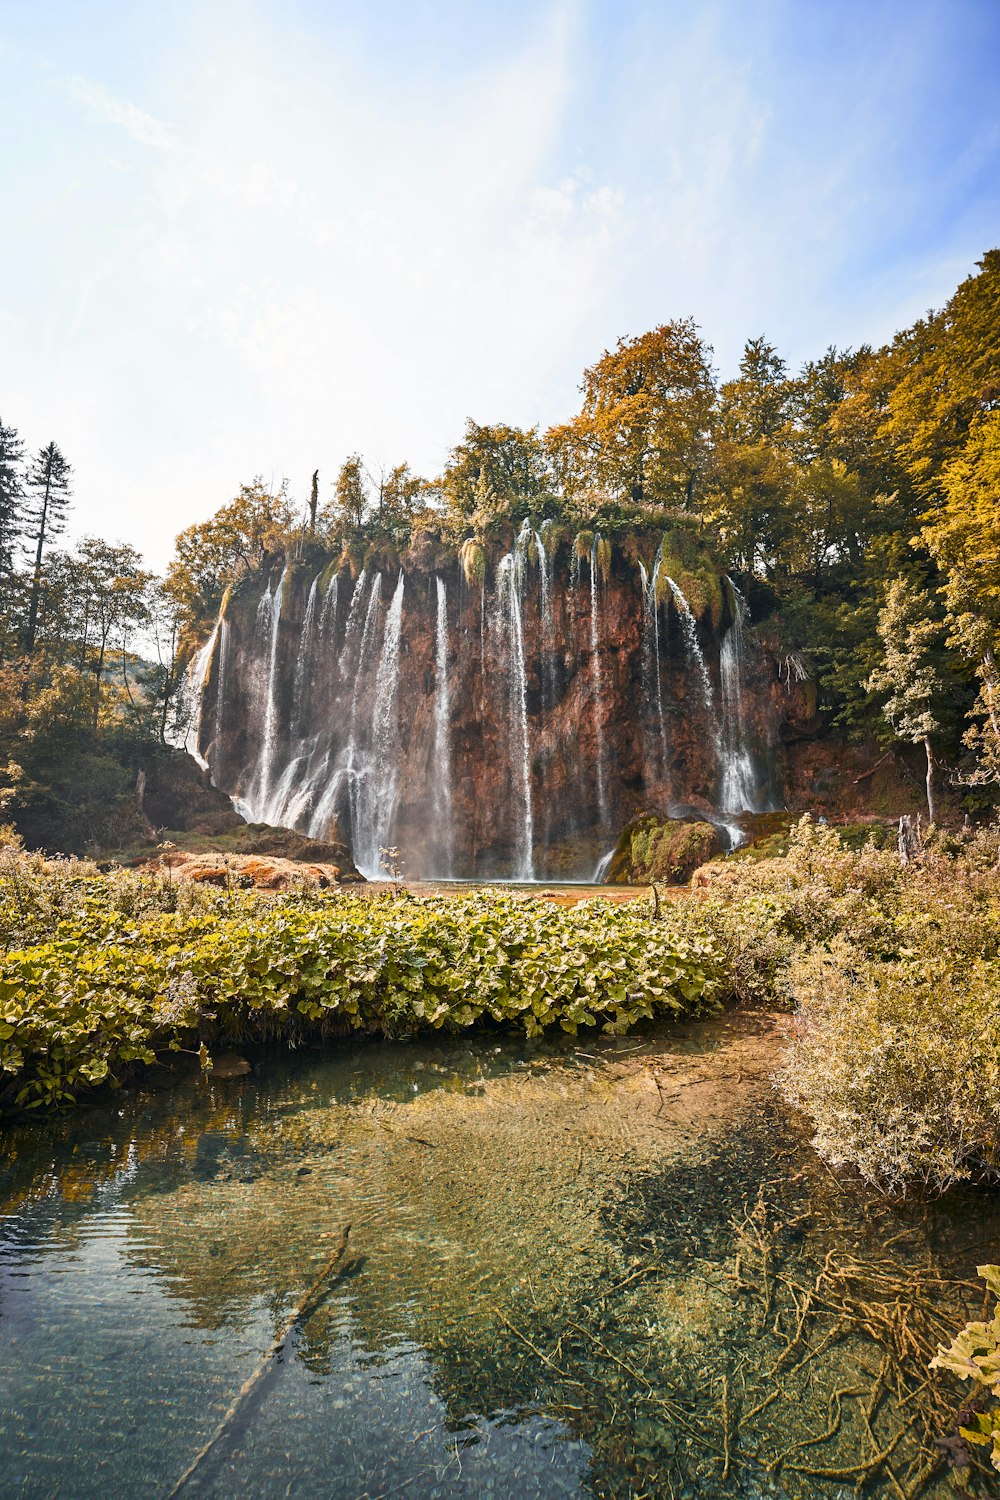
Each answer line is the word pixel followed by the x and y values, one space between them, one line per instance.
pixel 49 490
pixel 11 496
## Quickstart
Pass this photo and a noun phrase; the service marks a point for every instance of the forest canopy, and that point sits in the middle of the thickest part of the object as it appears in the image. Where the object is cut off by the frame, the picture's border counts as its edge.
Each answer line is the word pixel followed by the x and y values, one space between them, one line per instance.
pixel 857 499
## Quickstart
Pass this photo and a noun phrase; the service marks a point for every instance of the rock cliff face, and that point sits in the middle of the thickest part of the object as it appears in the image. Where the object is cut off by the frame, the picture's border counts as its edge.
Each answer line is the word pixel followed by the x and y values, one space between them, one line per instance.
pixel 498 720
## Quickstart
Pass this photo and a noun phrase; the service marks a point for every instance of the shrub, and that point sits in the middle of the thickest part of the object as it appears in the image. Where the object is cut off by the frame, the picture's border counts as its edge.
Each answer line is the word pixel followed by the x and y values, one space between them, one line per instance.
pixel 896 1064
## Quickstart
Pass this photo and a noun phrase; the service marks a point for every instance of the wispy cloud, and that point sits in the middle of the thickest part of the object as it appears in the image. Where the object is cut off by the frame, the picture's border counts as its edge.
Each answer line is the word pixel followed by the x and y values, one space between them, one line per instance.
pixel 140 126
pixel 356 225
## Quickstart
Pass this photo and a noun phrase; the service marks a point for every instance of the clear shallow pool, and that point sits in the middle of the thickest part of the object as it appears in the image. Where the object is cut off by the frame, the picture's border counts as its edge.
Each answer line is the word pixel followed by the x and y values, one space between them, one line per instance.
pixel 573 1269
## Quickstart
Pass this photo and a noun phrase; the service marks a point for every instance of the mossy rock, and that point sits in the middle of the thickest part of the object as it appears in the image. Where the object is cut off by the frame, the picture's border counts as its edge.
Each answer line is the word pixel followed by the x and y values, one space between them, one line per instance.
pixel 666 849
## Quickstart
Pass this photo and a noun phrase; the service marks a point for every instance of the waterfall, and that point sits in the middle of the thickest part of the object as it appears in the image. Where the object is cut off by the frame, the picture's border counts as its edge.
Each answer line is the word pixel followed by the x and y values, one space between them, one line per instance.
pixel 509 608
pixel 695 655
pixel 303 661
pixel 597 685
pixel 314 713
pixel 739 782
pixel 353 617
pixel 442 733
pixel 329 611
pixel 654 609
pixel 548 629
pixel 336 769
pixel 270 615
pixel 374 784
pixel 190 709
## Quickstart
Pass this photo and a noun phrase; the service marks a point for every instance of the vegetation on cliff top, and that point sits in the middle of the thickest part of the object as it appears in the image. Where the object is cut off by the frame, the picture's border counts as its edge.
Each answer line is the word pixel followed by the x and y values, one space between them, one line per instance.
pixel 856 501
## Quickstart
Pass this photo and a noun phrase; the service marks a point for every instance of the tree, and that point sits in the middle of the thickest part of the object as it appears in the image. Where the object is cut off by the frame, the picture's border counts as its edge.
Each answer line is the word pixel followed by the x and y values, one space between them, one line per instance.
pixel 115 592
pixel 351 498
pixel 399 491
pixel 313 501
pixel 235 541
pixel 755 407
pixel 643 432
pixel 11 498
pixel 963 536
pixel 913 671
pixel 49 488
pixel 946 377
pixel 507 464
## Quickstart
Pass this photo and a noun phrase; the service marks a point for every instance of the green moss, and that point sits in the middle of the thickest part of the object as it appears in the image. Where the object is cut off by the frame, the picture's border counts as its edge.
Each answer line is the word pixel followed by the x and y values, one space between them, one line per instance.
pixel 472 558
pixel 603 558
pixel 663 849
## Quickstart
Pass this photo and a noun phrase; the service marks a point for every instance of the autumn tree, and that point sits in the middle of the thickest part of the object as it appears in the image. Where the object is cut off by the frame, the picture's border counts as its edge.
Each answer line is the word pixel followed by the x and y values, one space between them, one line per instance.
pixel 496 470
pixel 914 672
pixel 963 535
pixel 944 377
pixel 643 432
pixel 115 602
pixel 351 499
pixel 235 541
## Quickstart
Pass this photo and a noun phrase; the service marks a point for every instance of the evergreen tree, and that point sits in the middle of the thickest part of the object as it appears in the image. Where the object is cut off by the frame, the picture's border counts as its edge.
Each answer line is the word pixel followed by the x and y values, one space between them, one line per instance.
pixel 11 497
pixel 49 490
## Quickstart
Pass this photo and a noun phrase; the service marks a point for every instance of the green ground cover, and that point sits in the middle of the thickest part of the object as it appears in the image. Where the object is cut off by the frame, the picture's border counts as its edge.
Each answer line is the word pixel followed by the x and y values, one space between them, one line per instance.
pixel 892 974
pixel 104 973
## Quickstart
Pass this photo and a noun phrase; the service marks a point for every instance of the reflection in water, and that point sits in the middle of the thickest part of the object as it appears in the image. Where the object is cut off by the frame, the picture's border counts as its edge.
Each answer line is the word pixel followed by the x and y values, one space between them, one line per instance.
pixel 569 1274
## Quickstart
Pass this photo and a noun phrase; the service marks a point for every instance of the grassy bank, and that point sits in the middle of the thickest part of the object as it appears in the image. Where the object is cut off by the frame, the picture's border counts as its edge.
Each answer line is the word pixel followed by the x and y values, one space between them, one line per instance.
pixel 893 976
pixel 105 973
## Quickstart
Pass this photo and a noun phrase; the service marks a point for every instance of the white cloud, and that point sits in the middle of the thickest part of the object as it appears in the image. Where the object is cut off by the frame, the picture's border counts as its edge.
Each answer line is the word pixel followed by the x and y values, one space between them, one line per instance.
pixel 331 247
pixel 140 126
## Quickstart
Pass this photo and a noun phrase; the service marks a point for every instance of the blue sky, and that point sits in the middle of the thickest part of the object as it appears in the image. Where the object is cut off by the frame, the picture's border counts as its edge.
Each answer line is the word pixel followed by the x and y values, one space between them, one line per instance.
pixel 250 238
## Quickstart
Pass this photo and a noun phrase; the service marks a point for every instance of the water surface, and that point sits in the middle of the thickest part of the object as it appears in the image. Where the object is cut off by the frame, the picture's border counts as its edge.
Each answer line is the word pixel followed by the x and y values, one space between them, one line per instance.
pixel 574 1268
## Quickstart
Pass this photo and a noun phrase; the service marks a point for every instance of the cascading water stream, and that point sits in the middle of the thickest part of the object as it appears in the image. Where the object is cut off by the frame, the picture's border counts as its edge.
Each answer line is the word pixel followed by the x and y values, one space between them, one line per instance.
pixel 336 769
pixel 654 610
pixel 694 652
pixel 353 619
pixel 303 661
pixel 374 784
pixel 191 703
pixel 443 795
pixel 261 801
pixel 328 614
pixel 739 782
pixel 508 579
pixel 548 627
pixel 597 683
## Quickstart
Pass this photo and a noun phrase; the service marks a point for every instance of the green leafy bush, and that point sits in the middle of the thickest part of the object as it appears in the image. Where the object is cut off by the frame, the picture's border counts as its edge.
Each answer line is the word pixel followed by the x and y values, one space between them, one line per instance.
pixel 974 1355
pixel 667 849
pixel 108 990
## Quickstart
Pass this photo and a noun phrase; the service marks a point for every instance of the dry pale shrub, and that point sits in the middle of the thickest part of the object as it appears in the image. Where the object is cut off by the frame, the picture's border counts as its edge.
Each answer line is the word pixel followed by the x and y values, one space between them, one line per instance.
pixel 898 1065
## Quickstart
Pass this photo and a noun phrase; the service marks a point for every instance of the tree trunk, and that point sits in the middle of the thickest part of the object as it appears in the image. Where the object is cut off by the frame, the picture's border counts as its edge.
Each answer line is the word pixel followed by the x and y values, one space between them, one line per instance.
pixel 313 503
pixel 36 578
pixel 908 839
pixel 98 674
pixel 930 780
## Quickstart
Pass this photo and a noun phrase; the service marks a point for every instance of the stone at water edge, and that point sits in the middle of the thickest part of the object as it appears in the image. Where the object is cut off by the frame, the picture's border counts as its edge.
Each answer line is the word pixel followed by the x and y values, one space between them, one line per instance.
pixel 668 849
